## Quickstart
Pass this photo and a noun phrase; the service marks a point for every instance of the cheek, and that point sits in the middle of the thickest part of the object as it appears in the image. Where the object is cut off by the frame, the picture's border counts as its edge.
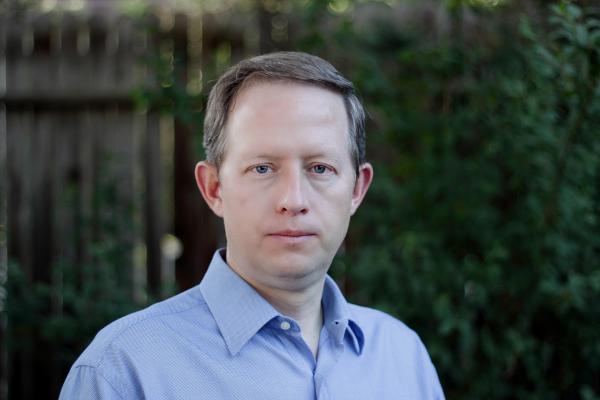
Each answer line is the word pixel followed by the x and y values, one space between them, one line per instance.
pixel 235 194
pixel 336 205
pixel 242 206
pixel 239 222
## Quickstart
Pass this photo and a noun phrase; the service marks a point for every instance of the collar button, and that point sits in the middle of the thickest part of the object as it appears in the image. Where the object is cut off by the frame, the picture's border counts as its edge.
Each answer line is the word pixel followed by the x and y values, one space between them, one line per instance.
pixel 285 325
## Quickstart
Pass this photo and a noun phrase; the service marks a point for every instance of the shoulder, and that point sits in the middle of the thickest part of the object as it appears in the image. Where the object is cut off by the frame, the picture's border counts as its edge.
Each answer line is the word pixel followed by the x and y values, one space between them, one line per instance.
pixel 392 345
pixel 127 351
pixel 134 330
pixel 386 331
pixel 379 321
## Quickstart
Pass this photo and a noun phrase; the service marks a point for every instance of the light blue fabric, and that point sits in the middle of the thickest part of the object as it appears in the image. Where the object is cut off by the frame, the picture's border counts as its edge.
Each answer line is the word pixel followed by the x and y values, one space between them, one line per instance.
pixel 222 340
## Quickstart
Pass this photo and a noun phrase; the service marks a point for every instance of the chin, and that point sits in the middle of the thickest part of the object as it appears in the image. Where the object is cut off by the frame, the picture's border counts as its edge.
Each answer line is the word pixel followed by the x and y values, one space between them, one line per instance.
pixel 296 266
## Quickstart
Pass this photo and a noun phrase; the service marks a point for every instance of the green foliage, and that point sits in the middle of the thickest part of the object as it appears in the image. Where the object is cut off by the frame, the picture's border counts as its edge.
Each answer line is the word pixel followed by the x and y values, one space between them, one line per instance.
pixel 167 92
pixel 67 312
pixel 482 228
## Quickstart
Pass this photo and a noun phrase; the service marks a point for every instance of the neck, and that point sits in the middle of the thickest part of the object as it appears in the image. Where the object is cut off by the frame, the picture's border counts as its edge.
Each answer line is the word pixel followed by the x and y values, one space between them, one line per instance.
pixel 300 301
pixel 303 306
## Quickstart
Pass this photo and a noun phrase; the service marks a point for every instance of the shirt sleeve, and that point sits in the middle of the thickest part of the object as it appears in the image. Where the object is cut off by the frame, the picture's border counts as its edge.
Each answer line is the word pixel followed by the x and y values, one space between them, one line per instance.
pixel 86 382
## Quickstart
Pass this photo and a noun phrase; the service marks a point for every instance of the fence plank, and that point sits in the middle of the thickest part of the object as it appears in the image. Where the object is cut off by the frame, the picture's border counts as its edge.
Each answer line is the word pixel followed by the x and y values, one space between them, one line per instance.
pixel 152 218
pixel 20 128
pixel 4 188
pixel 72 130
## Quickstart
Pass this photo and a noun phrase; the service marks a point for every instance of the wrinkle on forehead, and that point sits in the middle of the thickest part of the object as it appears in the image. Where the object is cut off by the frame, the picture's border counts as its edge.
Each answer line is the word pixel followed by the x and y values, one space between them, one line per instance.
pixel 323 111
pixel 256 79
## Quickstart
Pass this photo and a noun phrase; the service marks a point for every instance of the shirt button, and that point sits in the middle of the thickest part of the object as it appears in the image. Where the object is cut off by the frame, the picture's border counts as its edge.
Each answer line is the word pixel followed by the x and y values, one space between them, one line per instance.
pixel 285 326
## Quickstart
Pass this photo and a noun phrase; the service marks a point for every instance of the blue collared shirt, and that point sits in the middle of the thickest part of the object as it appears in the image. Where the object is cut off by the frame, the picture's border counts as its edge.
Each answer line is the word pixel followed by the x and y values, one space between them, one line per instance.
pixel 222 340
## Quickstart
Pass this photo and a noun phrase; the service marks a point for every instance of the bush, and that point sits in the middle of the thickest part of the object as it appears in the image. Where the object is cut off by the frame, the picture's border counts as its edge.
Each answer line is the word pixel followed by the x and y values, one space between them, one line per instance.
pixel 482 228
pixel 59 318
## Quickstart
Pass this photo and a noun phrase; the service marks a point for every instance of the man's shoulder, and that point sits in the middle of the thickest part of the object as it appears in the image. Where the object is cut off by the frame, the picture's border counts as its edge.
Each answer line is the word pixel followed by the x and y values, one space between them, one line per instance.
pixel 373 317
pixel 135 329
pixel 398 350
pixel 383 327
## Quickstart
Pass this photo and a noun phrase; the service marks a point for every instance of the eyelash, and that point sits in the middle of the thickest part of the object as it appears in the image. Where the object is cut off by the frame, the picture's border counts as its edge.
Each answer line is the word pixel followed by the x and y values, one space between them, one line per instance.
pixel 311 168
pixel 326 168
pixel 255 168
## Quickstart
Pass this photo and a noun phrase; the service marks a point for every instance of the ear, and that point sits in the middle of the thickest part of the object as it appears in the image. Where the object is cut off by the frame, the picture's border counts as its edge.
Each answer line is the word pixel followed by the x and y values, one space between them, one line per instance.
pixel 207 179
pixel 363 181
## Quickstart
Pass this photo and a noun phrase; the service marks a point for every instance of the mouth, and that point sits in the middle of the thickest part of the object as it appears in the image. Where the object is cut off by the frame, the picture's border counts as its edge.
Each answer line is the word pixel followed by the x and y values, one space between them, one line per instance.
pixel 292 233
pixel 291 237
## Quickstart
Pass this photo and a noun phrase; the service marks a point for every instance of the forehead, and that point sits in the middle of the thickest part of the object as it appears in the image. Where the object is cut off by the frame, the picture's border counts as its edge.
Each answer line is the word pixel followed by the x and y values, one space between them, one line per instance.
pixel 271 97
pixel 279 114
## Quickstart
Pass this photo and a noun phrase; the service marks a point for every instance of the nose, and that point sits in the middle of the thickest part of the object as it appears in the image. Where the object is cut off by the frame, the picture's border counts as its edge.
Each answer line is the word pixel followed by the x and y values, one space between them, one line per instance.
pixel 292 194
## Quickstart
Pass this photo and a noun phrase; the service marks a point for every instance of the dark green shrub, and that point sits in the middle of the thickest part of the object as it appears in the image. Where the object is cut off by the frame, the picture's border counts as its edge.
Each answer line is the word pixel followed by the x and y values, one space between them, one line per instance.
pixel 61 317
pixel 482 229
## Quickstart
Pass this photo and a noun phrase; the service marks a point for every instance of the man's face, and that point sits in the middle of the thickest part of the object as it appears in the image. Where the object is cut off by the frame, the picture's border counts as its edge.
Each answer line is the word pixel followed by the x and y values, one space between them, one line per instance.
pixel 287 186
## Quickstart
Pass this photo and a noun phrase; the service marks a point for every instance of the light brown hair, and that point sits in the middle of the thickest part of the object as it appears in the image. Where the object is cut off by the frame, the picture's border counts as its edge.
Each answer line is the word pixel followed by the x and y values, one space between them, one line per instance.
pixel 281 66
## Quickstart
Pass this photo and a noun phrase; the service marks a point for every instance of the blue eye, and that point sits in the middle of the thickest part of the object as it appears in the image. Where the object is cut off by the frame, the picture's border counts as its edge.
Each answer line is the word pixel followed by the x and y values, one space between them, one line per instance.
pixel 262 169
pixel 319 169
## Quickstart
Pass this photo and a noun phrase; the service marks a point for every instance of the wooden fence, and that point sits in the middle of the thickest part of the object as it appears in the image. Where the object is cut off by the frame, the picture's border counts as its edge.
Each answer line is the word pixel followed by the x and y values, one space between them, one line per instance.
pixel 72 128
pixel 78 150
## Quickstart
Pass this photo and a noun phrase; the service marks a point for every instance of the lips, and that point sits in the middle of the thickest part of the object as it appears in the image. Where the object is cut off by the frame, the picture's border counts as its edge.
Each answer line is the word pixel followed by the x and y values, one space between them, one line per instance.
pixel 292 237
pixel 292 233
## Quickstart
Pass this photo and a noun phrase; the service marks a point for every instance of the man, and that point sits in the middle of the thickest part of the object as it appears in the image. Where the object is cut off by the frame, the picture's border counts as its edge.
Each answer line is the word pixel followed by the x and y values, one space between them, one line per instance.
pixel 285 169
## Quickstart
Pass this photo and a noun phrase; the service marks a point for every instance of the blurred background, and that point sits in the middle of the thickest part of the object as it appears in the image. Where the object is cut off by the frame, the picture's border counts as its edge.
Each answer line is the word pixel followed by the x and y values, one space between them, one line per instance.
pixel 481 230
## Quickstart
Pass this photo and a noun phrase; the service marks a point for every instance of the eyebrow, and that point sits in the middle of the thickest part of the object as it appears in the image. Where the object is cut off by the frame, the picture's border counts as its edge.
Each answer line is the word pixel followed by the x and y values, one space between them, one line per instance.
pixel 309 156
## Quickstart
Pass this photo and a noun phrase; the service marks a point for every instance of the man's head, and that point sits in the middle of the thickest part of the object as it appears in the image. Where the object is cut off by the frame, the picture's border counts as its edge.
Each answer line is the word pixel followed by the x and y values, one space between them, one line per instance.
pixel 283 174
pixel 283 66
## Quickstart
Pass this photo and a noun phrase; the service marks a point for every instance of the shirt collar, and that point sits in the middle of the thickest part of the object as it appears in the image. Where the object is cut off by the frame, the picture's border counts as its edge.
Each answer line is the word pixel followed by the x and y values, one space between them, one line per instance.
pixel 337 318
pixel 240 312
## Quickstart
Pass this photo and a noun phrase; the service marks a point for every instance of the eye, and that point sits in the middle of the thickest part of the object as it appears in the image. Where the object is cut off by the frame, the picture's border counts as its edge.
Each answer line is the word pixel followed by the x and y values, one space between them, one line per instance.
pixel 262 169
pixel 320 169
